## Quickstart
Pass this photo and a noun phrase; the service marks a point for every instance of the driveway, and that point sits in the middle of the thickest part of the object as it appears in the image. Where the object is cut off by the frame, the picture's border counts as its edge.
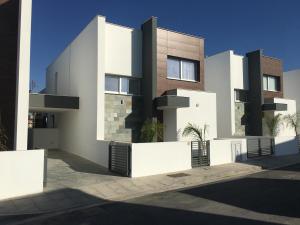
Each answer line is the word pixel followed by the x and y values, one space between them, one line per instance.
pixel 265 198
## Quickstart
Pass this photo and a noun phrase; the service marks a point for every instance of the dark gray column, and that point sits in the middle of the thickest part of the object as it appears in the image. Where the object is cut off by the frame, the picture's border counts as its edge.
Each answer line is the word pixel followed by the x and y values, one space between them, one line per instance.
pixel 9 28
pixel 149 84
pixel 255 97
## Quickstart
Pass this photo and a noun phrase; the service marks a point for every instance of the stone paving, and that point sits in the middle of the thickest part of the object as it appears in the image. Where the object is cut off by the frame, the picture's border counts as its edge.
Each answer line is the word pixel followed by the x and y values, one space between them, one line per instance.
pixel 74 182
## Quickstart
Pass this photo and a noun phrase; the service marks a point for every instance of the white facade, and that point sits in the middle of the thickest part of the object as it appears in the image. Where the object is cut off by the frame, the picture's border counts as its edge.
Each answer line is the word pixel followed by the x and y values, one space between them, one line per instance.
pixel 286 131
pixel 21 172
pixel 225 72
pixel 101 48
pixel 291 82
pixel 23 76
pixel 202 111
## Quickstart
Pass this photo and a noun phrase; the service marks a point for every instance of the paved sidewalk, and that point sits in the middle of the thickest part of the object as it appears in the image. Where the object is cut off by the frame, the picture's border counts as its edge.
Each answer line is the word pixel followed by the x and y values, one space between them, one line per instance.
pixel 120 188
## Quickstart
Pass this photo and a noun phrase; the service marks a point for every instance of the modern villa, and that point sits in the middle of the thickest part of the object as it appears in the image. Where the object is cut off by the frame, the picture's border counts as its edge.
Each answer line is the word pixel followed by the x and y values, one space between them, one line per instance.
pixel 247 87
pixel 112 78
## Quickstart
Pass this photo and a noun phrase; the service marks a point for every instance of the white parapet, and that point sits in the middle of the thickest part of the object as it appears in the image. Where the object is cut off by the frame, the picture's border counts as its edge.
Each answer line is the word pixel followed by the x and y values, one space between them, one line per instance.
pixel 224 151
pixel 21 173
pixel 159 158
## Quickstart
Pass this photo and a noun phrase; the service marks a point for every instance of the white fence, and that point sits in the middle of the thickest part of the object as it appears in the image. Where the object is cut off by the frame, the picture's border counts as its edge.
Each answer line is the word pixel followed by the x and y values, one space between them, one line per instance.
pixel 158 158
pixel 21 173
pixel 224 151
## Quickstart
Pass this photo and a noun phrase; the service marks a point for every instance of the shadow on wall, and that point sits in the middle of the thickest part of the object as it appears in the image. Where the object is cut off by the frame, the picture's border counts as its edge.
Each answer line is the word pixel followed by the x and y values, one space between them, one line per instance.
pixel 122 213
pixel 134 120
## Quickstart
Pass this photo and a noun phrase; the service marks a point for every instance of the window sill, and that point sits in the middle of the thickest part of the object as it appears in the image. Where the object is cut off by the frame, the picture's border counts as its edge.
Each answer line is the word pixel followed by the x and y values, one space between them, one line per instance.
pixel 192 81
pixel 117 93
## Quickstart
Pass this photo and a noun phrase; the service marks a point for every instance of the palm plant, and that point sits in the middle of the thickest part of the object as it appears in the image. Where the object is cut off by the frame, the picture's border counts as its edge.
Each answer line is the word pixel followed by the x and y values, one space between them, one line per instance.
pixel 273 124
pixel 3 137
pixel 151 131
pixel 195 131
pixel 293 121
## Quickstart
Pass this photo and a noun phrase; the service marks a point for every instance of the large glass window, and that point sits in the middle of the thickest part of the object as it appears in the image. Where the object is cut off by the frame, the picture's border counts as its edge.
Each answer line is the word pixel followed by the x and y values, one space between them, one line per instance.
pixel 271 83
pixel 173 68
pixel 188 70
pixel 182 69
pixel 122 85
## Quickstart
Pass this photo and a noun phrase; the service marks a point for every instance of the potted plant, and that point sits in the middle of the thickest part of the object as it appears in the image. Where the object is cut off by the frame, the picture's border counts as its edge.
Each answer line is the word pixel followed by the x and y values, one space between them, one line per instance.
pixel 293 121
pixel 151 131
pixel 272 123
pixel 195 131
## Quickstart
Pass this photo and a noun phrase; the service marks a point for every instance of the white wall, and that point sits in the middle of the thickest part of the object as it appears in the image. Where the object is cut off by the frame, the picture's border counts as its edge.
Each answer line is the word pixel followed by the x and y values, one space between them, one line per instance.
pixel 123 50
pixel 224 151
pixel 202 111
pixel 217 80
pixel 159 158
pixel 286 131
pixel 81 69
pixel 23 76
pixel 45 138
pixel 286 146
pixel 21 173
pixel 291 83
pixel 225 72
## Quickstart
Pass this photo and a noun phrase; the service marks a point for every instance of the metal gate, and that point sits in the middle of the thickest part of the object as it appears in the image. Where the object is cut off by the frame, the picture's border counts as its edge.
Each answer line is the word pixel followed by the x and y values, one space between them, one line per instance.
pixel 200 154
pixel 260 146
pixel 120 158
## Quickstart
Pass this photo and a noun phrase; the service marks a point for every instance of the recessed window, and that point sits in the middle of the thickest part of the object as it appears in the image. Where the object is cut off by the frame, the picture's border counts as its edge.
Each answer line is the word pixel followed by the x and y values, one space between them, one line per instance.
pixel 122 85
pixel 271 83
pixel 182 69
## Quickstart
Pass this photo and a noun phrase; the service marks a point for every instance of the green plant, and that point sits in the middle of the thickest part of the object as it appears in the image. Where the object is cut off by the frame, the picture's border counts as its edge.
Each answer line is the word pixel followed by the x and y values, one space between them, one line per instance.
pixel 151 131
pixel 195 131
pixel 3 137
pixel 293 121
pixel 273 124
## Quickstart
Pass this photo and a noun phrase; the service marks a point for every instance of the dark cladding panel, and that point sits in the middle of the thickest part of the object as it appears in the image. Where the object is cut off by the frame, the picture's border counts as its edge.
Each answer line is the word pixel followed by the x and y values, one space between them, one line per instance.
pixel 255 93
pixel 149 29
pixel 9 17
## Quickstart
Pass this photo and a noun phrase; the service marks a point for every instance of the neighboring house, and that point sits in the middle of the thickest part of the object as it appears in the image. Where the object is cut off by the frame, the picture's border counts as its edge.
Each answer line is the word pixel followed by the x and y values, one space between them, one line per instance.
pixel 247 88
pixel 114 78
pixel 291 84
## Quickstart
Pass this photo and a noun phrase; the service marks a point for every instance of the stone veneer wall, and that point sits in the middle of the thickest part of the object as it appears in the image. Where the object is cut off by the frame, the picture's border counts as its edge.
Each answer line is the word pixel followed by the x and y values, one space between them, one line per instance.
pixel 123 117
pixel 240 120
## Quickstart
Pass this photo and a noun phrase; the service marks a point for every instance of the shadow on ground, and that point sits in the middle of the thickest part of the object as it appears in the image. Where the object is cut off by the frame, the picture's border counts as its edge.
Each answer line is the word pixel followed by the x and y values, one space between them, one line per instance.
pixel 77 163
pixel 123 213
pixel 271 196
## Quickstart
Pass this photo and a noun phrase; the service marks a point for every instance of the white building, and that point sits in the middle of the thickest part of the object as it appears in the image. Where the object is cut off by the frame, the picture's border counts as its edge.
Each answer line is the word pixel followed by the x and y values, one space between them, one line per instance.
pixel 247 88
pixel 114 78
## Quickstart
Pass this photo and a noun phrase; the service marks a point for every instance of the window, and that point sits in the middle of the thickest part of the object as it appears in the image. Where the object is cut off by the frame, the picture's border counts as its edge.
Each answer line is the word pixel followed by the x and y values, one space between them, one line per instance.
pixel 122 85
pixel 271 83
pixel 182 69
pixel 111 83
pixel 173 68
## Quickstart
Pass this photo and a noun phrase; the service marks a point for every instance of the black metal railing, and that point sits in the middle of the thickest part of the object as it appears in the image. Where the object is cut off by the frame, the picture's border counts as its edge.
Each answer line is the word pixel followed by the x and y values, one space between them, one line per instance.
pixel 120 158
pixel 260 146
pixel 200 153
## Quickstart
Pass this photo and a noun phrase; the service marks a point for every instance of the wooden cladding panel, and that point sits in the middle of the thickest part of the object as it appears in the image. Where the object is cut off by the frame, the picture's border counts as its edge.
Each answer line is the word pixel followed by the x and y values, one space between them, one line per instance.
pixel 182 46
pixel 272 66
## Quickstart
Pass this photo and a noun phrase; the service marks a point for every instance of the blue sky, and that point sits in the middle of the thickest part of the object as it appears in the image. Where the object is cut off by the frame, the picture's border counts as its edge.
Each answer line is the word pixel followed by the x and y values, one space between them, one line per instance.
pixel 239 25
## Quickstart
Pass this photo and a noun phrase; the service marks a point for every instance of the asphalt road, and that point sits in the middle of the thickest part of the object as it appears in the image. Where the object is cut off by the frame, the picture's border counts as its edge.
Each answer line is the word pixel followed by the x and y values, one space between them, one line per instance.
pixel 271 197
